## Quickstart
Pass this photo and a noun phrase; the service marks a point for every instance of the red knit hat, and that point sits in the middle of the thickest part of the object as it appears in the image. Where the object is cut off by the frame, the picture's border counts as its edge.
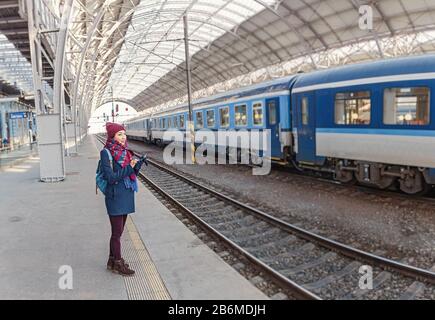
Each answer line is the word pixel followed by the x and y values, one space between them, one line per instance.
pixel 113 128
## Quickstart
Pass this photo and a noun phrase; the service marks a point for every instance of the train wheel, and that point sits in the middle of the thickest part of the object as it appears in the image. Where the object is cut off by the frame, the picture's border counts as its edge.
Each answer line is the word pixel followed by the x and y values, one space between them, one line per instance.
pixel 346 177
pixel 414 184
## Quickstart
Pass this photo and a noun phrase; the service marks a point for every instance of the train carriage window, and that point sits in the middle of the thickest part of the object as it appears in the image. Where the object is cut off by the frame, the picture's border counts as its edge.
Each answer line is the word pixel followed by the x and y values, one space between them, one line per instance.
pixel 257 111
pixel 406 106
pixel 175 120
pixel 224 114
pixel 353 108
pixel 210 119
pixel 199 120
pixel 182 121
pixel 241 115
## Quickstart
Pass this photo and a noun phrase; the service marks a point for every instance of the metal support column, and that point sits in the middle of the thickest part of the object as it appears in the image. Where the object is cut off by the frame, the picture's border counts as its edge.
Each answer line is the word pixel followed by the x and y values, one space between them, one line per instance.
pixel 50 124
pixel 64 124
pixel 189 87
pixel 36 56
pixel 78 103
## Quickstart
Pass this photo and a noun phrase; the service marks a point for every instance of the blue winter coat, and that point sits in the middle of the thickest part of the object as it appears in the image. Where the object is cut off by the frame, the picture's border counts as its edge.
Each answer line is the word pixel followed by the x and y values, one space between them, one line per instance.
pixel 119 199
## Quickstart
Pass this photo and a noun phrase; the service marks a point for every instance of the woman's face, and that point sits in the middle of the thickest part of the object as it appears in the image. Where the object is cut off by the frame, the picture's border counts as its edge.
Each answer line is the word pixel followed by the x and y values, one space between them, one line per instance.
pixel 121 137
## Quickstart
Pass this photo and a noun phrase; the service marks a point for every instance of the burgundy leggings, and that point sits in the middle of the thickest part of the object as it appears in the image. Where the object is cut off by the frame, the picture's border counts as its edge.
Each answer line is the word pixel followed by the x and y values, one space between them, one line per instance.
pixel 118 224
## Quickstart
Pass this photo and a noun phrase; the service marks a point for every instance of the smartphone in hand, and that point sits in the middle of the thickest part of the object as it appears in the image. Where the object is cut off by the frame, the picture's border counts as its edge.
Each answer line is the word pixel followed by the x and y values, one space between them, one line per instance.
pixel 144 159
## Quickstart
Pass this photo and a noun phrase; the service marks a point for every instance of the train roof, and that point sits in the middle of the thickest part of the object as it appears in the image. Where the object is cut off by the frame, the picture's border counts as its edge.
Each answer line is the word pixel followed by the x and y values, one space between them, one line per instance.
pixel 264 87
pixel 276 85
pixel 373 69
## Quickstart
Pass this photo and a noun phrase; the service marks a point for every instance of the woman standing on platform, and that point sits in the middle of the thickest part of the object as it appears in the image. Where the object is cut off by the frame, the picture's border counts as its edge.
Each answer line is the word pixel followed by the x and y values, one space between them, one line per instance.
pixel 121 176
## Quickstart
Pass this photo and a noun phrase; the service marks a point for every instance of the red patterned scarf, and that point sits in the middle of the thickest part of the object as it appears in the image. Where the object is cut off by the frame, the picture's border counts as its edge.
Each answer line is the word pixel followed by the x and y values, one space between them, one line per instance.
pixel 120 154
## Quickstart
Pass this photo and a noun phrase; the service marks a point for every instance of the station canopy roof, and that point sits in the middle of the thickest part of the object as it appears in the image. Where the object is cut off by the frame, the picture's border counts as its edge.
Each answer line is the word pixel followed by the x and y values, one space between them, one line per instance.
pixel 137 53
pixel 229 39
pixel 154 44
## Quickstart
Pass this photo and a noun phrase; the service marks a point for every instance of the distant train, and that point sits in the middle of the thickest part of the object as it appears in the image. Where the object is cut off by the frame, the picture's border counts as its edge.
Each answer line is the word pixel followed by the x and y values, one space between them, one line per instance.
pixel 372 123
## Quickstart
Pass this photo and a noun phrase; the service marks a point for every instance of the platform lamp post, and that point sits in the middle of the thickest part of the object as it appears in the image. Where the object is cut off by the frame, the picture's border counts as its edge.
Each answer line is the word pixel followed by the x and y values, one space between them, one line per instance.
pixel 189 87
pixel 113 108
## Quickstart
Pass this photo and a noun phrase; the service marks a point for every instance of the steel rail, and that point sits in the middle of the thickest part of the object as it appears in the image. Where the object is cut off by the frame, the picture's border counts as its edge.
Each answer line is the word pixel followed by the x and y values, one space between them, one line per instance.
pixel 414 272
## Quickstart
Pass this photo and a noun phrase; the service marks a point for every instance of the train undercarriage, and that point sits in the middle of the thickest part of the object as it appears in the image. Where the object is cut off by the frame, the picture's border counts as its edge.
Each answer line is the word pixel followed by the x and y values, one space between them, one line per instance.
pixel 408 179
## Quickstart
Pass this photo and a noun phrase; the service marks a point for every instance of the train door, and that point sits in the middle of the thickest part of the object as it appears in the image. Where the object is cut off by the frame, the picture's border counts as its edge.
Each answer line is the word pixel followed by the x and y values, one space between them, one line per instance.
pixel 273 123
pixel 149 125
pixel 306 123
pixel 147 128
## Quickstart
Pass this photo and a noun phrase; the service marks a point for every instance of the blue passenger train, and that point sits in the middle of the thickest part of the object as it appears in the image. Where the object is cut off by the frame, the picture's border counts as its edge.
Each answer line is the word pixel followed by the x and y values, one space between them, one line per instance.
pixel 371 123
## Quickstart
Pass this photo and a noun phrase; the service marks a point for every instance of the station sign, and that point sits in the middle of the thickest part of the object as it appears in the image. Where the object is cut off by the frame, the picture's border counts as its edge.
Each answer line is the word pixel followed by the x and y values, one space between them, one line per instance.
pixel 17 115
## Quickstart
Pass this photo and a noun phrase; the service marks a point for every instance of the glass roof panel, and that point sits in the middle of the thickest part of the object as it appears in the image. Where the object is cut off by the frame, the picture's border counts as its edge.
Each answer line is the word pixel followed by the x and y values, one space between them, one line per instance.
pixel 14 68
pixel 154 43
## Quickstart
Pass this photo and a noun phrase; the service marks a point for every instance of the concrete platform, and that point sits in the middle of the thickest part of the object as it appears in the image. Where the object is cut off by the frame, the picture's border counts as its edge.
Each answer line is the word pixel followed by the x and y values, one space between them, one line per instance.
pixel 46 226
pixel 10 158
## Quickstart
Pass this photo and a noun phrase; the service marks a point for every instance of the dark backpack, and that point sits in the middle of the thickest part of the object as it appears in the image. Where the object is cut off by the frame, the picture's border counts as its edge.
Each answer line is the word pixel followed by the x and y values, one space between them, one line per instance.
pixel 101 182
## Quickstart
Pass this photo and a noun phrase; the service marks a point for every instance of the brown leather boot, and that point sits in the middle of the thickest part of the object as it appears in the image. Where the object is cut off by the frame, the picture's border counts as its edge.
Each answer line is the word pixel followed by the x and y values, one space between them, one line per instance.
pixel 112 260
pixel 121 268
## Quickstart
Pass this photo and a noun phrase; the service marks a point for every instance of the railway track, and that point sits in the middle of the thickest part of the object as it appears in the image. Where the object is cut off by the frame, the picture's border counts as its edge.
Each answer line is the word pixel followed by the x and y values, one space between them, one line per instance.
pixel 306 264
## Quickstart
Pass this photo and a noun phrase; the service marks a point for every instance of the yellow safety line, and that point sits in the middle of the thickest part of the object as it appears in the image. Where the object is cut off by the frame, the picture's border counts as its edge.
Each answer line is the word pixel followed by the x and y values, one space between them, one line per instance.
pixel 146 284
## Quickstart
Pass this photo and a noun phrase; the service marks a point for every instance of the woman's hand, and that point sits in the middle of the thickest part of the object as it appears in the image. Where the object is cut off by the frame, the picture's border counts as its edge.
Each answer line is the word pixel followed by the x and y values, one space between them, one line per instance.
pixel 133 163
